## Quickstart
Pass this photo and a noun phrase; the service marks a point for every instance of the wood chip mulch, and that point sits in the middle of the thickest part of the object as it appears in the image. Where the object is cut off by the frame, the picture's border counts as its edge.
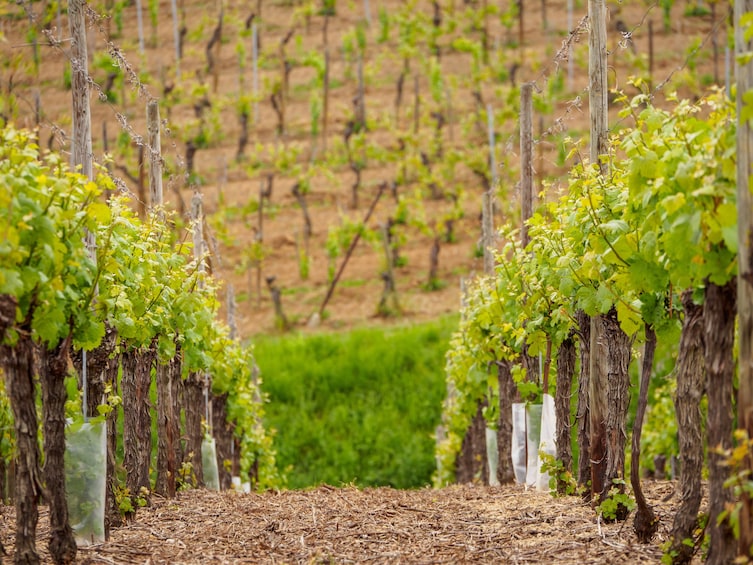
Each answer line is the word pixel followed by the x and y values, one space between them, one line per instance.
pixel 459 524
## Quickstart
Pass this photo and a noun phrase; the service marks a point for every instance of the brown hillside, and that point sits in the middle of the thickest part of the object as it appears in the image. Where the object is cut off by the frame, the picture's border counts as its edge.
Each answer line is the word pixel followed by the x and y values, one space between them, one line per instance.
pixel 684 58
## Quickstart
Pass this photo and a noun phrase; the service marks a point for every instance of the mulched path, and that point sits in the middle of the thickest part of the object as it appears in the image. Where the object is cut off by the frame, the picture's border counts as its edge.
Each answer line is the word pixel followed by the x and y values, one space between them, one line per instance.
pixel 377 525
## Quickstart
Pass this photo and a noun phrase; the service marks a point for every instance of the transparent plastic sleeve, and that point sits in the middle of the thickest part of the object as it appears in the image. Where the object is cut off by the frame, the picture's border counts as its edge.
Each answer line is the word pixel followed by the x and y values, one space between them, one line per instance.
pixel 209 462
pixel 85 480
pixel 492 456
pixel 533 437
pixel 547 440
pixel 519 441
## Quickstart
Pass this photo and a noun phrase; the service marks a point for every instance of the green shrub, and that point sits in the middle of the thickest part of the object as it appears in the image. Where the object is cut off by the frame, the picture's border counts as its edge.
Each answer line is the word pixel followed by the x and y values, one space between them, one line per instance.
pixel 358 407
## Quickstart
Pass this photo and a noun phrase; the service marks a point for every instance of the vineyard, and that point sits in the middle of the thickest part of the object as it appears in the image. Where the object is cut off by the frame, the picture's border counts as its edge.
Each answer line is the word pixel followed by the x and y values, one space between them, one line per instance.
pixel 574 175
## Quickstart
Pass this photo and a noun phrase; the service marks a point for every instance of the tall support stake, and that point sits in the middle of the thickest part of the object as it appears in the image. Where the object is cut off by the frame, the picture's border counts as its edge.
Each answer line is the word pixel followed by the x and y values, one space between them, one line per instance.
pixel 62 545
pixel 197 215
pixel 744 74
pixel 231 323
pixel 156 197
pixel 487 211
pixel 167 423
pixel 530 364
pixel 488 240
pixel 255 70
pixel 82 135
pixel 176 36
pixel 598 382
pixel 325 101
pixel 193 392
pixel 140 26
pixel 526 159
pixel 570 54
pixel 487 236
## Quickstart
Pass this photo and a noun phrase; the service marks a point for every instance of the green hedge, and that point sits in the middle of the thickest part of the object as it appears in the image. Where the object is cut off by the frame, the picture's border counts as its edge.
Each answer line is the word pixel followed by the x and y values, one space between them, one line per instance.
pixel 358 407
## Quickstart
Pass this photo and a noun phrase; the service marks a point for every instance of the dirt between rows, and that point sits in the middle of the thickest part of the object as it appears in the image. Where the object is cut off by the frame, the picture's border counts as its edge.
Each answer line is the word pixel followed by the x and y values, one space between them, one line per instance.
pixel 458 524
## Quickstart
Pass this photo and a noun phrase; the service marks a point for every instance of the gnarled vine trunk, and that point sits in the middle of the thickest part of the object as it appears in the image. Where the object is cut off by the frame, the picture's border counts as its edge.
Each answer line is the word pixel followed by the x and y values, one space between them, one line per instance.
pixel 137 424
pixel 565 372
pixel 223 436
pixel 471 463
pixel 113 517
pixel 62 545
pixel 176 395
pixel 582 415
pixel 618 401
pixel 691 383
pixel 508 393
pixel 608 400
pixel 168 426
pixel 719 335
pixel 193 398
pixel 18 364
pixel 645 523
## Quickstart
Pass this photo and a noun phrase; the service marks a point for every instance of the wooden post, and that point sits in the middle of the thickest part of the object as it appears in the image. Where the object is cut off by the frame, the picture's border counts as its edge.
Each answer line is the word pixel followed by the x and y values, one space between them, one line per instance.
pixel 196 384
pixel 81 152
pixel 487 231
pixel 487 211
pixel 714 42
pixel 570 54
pixel 544 21
pixel 176 36
pixel 263 193
pixel 597 93
pixel 744 75
pixel 651 53
pixel 416 105
pixel 598 382
pixel 521 28
pixel 494 178
pixel 231 323
pixel 197 216
pixel 140 26
pixel 361 104
pixel 156 198
pixel 325 102
pixel 168 428
pixel 255 75
pixel 526 159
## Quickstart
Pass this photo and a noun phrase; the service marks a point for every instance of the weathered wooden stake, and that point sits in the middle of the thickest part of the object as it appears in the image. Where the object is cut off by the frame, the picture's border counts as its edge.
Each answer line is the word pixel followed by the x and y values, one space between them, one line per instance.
pixel 156 197
pixel 598 382
pixel 487 212
pixel 651 53
pixel 325 102
pixel 361 104
pixel 255 75
pixel 140 26
pixel 231 322
pixel 570 54
pixel 744 75
pixel 526 159
pixel 416 104
pixel 367 12
pixel 176 36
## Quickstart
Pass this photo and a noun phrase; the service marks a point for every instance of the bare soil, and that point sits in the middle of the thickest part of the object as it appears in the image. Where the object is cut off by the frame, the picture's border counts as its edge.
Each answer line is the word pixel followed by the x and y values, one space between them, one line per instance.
pixel 459 524
pixel 229 185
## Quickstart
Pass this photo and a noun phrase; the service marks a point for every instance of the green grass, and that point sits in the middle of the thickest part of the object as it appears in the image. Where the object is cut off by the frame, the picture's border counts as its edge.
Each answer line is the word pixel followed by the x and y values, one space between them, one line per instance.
pixel 358 407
